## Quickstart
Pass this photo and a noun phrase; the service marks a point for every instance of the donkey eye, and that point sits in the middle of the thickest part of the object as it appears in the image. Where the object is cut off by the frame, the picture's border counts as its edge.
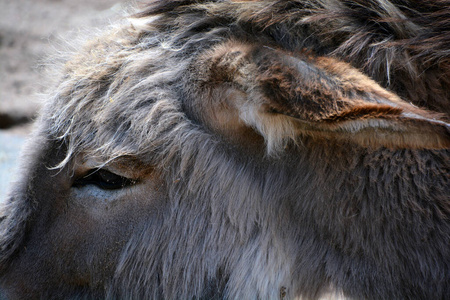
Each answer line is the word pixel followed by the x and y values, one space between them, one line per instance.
pixel 104 179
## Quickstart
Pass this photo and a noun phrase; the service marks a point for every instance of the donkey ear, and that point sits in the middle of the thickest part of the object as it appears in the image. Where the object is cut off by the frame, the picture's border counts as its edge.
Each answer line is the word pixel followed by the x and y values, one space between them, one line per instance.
pixel 285 95
pixel 331 99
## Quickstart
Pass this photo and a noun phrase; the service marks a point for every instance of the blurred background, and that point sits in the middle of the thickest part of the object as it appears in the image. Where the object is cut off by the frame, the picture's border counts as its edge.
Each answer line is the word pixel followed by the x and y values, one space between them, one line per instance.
pixel 30 31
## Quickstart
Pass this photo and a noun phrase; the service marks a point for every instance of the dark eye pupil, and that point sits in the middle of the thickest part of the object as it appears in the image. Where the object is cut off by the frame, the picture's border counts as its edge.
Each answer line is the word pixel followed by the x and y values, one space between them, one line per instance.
pixel 103 179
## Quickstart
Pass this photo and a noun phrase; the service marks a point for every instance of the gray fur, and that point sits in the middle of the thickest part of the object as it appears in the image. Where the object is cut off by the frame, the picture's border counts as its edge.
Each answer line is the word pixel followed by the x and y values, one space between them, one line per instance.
pixel 234 212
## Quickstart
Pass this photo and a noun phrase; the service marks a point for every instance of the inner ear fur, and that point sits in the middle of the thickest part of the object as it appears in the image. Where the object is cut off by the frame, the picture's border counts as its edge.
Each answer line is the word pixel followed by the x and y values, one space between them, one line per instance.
pixel 284 96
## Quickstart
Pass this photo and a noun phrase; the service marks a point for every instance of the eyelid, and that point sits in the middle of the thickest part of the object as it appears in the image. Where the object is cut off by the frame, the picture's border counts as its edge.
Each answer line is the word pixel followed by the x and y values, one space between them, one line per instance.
pixel 128 168
pixel 104 179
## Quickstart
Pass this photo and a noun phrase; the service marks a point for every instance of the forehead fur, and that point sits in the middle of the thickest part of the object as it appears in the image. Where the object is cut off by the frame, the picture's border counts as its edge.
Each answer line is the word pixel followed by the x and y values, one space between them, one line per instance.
pixel 123 93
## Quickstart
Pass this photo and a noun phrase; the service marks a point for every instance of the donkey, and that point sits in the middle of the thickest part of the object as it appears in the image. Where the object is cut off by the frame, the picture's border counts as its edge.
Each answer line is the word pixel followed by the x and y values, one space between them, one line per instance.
pixel 241 149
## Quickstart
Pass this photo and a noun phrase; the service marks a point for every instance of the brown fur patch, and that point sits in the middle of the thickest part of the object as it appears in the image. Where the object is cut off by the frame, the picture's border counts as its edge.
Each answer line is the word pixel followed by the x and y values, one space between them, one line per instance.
pixel 365 112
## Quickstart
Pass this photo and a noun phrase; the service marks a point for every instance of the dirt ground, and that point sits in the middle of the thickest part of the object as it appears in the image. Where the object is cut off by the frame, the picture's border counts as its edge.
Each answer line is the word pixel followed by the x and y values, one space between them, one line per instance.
pixel 30 32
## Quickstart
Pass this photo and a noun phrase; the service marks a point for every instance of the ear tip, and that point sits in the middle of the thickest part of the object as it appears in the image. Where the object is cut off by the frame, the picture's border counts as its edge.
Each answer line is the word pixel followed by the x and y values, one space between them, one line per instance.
pixel 433 134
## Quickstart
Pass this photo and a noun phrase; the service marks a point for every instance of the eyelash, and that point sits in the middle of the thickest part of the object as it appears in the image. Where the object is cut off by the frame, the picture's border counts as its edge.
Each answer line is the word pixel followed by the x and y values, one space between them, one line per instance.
pixel 104 179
